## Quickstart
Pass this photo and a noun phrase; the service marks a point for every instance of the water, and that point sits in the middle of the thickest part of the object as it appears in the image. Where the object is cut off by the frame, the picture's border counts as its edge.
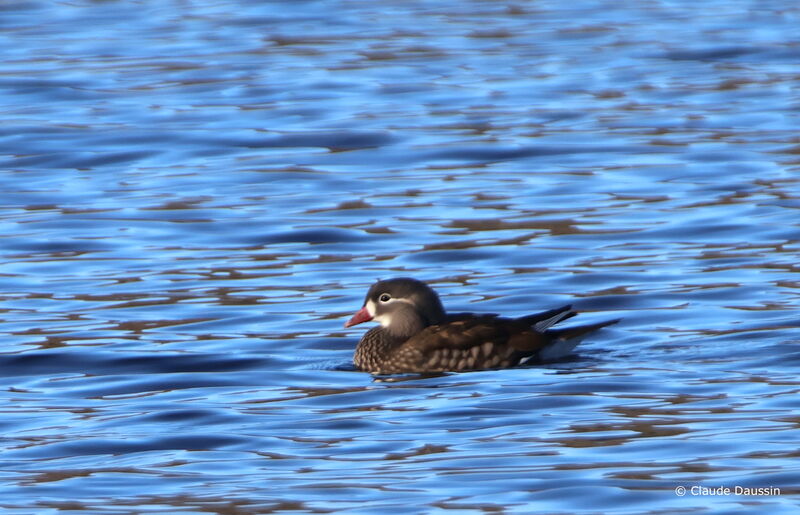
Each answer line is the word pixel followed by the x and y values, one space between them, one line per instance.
pixel 196 196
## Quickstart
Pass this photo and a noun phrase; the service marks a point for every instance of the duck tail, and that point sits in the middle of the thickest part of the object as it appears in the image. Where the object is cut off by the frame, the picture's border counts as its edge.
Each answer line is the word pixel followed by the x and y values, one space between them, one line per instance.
pixel 563 341
pixel 546 319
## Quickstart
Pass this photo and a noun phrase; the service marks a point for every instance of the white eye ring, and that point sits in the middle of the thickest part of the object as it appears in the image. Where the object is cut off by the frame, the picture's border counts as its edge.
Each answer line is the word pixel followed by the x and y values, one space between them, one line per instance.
pixel 385 297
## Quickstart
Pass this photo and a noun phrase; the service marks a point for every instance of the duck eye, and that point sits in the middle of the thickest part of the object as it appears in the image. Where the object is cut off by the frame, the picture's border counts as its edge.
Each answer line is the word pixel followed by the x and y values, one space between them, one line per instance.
pixel 385 297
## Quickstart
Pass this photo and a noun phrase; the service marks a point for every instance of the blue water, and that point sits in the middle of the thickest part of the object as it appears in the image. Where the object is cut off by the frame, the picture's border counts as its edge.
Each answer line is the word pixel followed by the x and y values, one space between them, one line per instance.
pixel 196 196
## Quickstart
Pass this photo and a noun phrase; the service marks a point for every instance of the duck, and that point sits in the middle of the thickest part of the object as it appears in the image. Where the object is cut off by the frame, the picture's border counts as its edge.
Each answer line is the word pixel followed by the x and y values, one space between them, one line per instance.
pixel 416 335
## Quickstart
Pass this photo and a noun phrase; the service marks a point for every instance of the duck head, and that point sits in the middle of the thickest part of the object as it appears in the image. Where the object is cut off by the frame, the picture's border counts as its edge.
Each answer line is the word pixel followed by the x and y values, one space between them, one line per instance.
pixel 403 306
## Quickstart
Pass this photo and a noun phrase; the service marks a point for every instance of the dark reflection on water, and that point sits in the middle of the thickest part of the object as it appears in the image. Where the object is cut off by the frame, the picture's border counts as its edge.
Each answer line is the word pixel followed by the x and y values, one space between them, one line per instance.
pixel 195 197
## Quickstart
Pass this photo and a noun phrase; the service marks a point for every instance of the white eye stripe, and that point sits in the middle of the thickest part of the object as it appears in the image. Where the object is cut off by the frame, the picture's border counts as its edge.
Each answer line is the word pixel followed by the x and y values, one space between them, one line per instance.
pixel 393 300
pixel 372 306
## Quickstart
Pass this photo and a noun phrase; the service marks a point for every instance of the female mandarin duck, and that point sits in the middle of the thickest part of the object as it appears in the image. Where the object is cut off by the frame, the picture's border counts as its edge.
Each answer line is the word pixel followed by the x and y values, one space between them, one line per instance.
pixel 415 334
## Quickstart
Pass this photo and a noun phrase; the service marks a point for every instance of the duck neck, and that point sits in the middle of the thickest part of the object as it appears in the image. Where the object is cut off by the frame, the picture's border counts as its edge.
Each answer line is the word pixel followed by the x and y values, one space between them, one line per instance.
pixel 404 327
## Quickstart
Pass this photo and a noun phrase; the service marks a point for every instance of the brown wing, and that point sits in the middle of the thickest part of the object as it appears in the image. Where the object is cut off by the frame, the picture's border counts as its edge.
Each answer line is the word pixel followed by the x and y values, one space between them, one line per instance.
pixel 474 342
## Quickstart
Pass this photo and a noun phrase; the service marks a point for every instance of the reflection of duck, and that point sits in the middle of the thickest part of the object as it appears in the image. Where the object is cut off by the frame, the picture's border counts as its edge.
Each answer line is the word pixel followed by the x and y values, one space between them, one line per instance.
pixel 416 335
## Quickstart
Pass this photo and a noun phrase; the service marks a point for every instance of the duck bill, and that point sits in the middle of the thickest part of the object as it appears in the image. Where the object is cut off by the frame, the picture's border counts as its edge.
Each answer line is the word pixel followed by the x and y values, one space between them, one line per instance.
pixel 362 316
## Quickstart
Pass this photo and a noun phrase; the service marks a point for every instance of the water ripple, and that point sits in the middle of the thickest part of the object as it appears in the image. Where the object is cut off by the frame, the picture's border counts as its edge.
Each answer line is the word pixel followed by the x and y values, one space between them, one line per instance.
pixel 195 199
